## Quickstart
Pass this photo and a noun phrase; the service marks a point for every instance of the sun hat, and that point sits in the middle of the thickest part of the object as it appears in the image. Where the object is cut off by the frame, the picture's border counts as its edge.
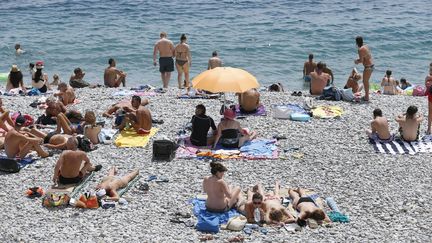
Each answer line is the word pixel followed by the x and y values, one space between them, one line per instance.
pixel 14 68
pixel 229 114
pixel 39 65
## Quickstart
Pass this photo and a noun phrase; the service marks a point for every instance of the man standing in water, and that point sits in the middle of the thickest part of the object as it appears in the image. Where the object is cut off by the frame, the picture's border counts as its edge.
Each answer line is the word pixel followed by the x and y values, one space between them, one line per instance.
pixel 214 61
pixel 365 57
pixel 165 47
pixel 308 67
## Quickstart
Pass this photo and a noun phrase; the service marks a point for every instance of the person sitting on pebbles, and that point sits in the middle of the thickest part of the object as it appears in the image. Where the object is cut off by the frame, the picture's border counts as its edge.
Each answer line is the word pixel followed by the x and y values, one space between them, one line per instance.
pixel 352 82
pixel 139 118
pixel 409 124
pixel 66 94
pixel 72 167
pixel 379 127
pixel 306 207
pixel 249 101
pixel 110 184
pixel 126 106
pixel 201 124
pixel 63 123
pixel 220 197
pixel 19 144
pixel 229 132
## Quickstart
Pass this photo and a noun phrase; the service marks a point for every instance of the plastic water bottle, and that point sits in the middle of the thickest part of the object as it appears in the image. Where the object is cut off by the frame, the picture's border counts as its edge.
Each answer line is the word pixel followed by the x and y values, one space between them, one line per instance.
pixel 332 204
pixel 257 215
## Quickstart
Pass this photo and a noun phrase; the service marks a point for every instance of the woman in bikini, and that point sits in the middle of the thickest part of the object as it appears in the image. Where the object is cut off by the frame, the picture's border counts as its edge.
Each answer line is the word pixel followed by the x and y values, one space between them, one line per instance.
pixel 183 61
pixel 365 57
pixel 389 84
pixel 111 183
pixel 306 207
pixel 40 79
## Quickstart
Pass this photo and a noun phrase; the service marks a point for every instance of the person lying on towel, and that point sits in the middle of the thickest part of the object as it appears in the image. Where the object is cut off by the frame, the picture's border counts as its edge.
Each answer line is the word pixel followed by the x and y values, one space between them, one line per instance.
pixel 111 183
pixel 229 132
pixel 409 124
pixel 220 197
pixel 269 205
pixel 306 207
pixel 139 118
pixel 126 106
pixel 249 101
pixel 72 167
pixel 53 140
pixel 379 127
pixel 201 124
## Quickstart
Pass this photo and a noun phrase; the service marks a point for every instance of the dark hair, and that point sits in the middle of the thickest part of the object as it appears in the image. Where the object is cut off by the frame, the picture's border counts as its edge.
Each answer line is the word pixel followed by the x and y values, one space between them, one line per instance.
pixel 301 222
pixel 320 65
pixel 17 46
pixel 214 53
pixel 38 75
pixel 388 72
pixel 201 107
pixel 111 61
pixel 310 56
pixel 77 70
pixel 136 97
pixel 359 41
pixel 276 87
pixel 318 214
pixel 15 78
pixel 411 111
pixel 183 37
pixel 31 65
pixel 257 196
pixel 377 112
pixel 84 144
pixel 403 80
pixel 217 167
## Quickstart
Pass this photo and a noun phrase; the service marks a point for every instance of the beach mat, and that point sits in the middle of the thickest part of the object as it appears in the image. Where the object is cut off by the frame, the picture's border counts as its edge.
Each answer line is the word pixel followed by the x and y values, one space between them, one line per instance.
pixel 260 111
pixel 14 165
pixel 128 186
pixel 189 151
pixel 259 149
pixel 71 189
pixel 326 112
pixel 398 146
pixel 129 138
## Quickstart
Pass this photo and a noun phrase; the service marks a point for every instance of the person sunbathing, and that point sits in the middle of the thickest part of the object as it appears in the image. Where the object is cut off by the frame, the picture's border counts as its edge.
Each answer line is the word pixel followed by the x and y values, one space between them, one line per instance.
pixel 352 82
pixel 19 144
pixel 306 207
pixel 409 124
pixel 53 140
pixel 249 101
pixel 379 127
pixel 127 106
pixel 220 197
pixel 66 94
pixel 201 123
pixel 72 167
pixel 54 108
pixel 229 132
pixel 63 123
pixel 255 201
pixel 112 183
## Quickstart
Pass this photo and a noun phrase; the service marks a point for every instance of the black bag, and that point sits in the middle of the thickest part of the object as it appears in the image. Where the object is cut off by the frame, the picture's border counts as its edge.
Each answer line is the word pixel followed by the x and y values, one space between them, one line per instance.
pixel 164 150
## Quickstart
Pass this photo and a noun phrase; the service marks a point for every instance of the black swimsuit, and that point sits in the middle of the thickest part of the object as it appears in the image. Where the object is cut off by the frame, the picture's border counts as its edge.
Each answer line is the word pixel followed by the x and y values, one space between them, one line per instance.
pixel 230 138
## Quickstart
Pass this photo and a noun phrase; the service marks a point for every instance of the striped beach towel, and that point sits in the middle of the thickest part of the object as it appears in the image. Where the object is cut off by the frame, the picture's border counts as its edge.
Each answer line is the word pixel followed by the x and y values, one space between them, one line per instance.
pixel 398 146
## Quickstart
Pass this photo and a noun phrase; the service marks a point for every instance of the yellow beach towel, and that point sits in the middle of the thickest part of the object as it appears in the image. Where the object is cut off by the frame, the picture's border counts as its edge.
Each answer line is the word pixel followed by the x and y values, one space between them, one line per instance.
pixel 326 112
pixel 129 138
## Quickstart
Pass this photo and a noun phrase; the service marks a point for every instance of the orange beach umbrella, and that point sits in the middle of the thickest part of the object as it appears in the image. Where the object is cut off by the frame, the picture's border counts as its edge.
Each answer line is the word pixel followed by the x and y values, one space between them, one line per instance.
pixel 225 79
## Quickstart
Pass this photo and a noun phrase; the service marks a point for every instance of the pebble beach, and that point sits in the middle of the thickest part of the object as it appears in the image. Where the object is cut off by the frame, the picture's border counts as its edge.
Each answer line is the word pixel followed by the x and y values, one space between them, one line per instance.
pixel 387 197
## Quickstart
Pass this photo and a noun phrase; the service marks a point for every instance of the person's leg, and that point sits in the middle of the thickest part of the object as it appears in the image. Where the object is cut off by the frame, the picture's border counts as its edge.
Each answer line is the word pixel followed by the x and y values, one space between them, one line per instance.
pixel 32 146
pixel 63 123
pixel 164 83
pixel 367 73
pixel 369 133
pixel 86 167
pixel 186 73
pixel 112 171
pixel 249 195
pixel 294 197
pixel 429 118
pixel 168 77
pixel 120 183
pixel 277 189
pixel 38 133
pixel 301 192
pixel 4 120
pixel 179 75
pixel 235 194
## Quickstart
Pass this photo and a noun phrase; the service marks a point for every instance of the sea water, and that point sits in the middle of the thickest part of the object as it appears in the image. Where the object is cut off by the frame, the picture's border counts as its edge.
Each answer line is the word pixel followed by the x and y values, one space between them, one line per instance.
pixel 270 39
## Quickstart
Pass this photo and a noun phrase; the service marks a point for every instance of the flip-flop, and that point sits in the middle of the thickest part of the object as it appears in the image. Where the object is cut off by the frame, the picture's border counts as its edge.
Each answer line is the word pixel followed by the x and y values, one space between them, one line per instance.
pixel 263 230
pixel 247 230
pixel 294 93
pixel 162 179
pixel 151 178
pixel 299 93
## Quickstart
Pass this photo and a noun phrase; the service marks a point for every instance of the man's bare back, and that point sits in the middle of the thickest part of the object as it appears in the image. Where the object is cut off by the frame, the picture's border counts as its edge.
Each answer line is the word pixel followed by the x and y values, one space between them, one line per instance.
pixel 409 128
pixel 249 100
pixel 309 67
pixel 165 47
pixel 318 82
pixel 214 62
pixel 381 127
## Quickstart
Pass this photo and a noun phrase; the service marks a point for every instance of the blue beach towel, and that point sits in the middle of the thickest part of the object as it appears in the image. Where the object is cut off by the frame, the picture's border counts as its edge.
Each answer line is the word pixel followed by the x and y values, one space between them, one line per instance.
pixel 208 221
pixel 259 148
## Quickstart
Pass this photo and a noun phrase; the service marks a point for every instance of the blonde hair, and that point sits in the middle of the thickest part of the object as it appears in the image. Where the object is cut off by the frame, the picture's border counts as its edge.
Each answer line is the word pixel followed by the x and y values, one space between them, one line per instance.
pixel 90 117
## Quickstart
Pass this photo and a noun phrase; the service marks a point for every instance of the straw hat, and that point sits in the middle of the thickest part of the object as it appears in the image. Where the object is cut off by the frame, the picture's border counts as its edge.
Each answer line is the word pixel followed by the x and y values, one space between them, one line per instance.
pixel 14 68
pixel 39 65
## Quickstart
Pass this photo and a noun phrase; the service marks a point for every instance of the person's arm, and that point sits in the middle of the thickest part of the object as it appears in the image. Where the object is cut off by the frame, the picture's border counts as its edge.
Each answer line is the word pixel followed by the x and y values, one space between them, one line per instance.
pixel 383 81
pixel 373 128
pixel 189 56
pixel 290 219
pixel 360 59
pixel 57 168
pixel 399 118
pixel 21 83
pixel 331 74
pixel 420 118
pixel 114 196
pixel 304 70
pixel 8 84
pixel 203 185
pixel 218 135
pixel 155 49
pixel 212 124
pixel 62 107
pixel 225 189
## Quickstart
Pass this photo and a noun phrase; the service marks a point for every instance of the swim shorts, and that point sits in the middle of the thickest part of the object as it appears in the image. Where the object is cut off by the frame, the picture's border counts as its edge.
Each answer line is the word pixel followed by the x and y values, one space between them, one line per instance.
pixel 307 78
pixel 166 64
pixel 65 181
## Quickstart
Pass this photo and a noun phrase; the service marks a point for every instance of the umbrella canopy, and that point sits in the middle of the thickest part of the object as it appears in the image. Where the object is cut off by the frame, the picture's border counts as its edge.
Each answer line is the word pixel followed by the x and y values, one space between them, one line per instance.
pixel 225 79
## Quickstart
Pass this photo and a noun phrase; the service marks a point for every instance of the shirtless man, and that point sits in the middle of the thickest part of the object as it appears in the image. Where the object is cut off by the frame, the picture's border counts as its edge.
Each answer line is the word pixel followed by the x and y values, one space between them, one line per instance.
pixel 183 61
pixel 19 144
pixel 112 76
pixel 249 101
pixel 230 133
pixel 220 197
pixel 66 94
pixel 365 57
pixel 328 71
pixel 214 61
pixel 379 127
pixel 140 120
pixel 112 183
pixel 126 106
pixel 77 80
pixel 352 82
pixel 165 48
pixel 72 166
pixel 53 109
pixel 319 80
pixel 409 124
pixel 308 67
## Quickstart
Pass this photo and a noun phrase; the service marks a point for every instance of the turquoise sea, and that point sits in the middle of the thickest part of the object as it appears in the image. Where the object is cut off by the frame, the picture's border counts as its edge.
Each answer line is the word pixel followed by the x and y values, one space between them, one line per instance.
pixel 270 39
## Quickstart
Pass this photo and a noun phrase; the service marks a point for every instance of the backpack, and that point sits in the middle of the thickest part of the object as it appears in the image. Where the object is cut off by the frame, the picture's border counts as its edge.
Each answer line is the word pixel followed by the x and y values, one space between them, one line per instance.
pixel 164 150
